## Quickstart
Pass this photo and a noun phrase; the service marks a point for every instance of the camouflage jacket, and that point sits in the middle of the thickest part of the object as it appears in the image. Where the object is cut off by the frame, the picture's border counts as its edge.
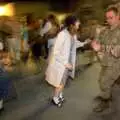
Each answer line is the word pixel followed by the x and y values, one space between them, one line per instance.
pixel 110 39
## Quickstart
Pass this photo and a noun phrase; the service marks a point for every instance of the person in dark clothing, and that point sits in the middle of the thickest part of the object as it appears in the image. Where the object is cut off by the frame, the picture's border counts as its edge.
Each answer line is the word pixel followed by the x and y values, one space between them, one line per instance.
pixel 34 39
pixel 4 86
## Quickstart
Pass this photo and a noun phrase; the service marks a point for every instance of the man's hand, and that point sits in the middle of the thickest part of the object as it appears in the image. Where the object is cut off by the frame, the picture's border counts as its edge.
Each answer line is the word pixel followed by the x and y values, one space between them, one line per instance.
pixel 96 45
pixel 116 51
pixel 69 66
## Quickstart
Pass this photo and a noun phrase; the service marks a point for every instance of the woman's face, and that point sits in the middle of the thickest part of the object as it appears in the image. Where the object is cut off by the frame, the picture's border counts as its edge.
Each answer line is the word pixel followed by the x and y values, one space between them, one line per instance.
pixel 75 27
pixel 77 24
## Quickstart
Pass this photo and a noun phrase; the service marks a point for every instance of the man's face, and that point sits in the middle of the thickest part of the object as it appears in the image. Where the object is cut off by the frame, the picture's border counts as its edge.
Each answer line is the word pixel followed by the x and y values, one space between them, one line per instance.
pixel 112 18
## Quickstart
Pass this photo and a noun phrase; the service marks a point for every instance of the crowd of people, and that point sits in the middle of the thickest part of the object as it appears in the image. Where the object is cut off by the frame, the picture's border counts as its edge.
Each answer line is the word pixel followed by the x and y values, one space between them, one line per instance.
pixel 107 48
pixel 58 45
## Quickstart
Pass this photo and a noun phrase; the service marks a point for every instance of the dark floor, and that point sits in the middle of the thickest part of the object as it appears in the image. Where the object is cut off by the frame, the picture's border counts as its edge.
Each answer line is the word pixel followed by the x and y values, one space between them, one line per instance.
pixel 33 94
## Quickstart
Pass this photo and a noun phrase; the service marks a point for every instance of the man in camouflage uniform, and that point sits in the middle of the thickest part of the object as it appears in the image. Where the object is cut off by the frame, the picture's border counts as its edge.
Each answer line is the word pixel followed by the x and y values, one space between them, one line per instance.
pixel 109 48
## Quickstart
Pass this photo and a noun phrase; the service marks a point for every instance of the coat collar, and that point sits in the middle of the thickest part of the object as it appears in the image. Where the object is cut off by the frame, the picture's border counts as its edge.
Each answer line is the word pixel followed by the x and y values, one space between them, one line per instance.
pixel 67 32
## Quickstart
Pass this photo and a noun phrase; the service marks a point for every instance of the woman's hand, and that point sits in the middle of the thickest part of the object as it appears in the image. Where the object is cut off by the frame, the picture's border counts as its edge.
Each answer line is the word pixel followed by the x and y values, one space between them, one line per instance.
pixel 116 51
pixel 69 66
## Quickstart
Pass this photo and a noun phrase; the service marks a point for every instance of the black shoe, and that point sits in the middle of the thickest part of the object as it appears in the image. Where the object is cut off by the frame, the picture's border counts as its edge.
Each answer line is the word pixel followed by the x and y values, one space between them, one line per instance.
pixel 59 104
pixel 62 99
pixel 103 105
pixel 99 98
pixel 1 110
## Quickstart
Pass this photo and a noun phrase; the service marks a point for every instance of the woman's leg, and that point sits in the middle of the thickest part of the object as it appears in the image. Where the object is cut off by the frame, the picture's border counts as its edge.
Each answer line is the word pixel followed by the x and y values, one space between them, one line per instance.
pixel 58 91
pixel 61 93
pixel 62 85
pixel 56 95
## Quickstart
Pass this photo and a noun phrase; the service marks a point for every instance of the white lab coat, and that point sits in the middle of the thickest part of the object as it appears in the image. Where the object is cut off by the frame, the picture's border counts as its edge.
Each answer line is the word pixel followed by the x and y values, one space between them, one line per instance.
pixel 59 57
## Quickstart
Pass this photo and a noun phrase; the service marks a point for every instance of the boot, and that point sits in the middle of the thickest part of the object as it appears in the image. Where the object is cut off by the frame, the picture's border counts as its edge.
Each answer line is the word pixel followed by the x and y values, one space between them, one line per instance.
pixel 101 106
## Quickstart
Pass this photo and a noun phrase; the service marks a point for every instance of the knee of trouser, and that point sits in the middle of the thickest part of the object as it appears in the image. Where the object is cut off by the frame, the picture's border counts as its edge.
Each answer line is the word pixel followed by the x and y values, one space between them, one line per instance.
pixel 105 87
pixel 106 83
pixel 105 90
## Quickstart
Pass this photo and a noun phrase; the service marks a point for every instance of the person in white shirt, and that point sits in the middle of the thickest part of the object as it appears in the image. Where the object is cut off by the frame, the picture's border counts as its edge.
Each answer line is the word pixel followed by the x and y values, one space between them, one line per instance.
pixel 62 60
pixel 49 31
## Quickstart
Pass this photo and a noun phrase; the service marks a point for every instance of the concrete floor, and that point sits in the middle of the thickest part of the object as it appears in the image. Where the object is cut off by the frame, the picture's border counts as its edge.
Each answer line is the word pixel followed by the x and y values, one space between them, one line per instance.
pixel 33 99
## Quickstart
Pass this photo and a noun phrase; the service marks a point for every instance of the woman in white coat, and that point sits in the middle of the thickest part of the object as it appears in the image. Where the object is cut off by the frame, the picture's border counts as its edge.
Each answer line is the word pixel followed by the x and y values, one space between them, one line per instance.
pixel 62 60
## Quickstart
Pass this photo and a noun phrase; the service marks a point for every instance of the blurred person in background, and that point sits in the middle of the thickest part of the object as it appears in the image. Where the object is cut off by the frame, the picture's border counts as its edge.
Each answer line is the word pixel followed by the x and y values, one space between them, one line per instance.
pixel 48 32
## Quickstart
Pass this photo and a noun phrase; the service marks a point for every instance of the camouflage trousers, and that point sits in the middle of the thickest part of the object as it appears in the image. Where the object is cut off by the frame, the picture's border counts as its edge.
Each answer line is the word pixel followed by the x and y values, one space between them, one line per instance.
pixel 108 77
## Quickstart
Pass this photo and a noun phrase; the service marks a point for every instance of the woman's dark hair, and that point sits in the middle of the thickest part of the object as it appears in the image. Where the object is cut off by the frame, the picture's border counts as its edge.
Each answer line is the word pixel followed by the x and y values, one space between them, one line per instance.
pixel 30 19
pixel 70 20
pixel 51 17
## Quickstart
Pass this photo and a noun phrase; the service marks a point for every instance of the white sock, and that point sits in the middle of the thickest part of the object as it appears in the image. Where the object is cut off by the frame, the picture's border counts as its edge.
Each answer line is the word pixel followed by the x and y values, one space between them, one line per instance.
pixel 61 95
pixel 1 104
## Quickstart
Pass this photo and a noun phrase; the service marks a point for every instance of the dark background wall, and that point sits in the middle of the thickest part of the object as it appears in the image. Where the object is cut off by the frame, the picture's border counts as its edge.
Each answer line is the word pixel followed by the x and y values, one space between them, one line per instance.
pixel 85 9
